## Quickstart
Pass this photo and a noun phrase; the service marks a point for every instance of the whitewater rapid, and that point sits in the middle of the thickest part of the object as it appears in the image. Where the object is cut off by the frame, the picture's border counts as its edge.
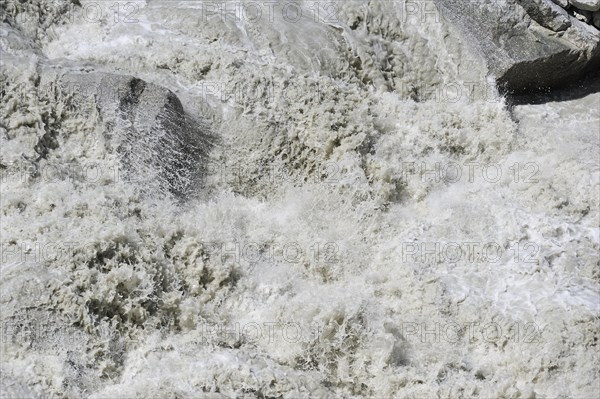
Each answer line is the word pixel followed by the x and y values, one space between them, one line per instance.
pixel 374 220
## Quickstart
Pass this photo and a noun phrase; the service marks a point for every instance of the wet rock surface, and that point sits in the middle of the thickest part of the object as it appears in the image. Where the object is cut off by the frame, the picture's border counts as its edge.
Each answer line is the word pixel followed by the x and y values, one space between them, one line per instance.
pixel 587 5
pixel 157 143
pixel 529 44
pixel 156 139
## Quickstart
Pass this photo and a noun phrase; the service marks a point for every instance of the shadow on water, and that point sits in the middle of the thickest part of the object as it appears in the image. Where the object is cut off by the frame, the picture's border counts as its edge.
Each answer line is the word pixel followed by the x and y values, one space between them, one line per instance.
pixel 583 87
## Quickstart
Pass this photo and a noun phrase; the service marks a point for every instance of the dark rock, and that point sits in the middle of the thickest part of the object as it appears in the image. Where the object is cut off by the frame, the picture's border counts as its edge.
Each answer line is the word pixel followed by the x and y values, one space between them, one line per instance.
pixel 547 14
pixel 587 5
pixel 157 141
pixel 583 15
pixel 562 3
pixel 520 42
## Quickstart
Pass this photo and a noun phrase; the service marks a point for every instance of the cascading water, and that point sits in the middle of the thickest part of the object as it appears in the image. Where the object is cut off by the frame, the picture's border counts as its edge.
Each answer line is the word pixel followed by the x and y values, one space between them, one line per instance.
pixel 287 199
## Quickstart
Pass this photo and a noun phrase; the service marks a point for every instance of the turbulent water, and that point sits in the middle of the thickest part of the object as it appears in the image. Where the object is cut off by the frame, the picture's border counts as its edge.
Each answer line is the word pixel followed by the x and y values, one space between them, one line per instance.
pixel 372 218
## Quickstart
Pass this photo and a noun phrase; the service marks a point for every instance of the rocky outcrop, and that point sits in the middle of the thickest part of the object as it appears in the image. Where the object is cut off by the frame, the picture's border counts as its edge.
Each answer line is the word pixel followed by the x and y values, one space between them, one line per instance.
pixel 587 5
pixel 530 44
pixel 155 138
pixel 587 11
pixel 144 125
pixel 547 14
pixel 562 3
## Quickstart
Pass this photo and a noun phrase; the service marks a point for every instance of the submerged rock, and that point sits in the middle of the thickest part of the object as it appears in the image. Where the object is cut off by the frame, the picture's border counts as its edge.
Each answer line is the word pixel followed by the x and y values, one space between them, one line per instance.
pixel 156 140
pixel 140 128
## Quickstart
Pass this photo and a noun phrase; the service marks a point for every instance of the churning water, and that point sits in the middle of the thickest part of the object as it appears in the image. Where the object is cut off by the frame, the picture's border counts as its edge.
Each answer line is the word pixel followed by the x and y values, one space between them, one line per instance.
pixel 372 218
